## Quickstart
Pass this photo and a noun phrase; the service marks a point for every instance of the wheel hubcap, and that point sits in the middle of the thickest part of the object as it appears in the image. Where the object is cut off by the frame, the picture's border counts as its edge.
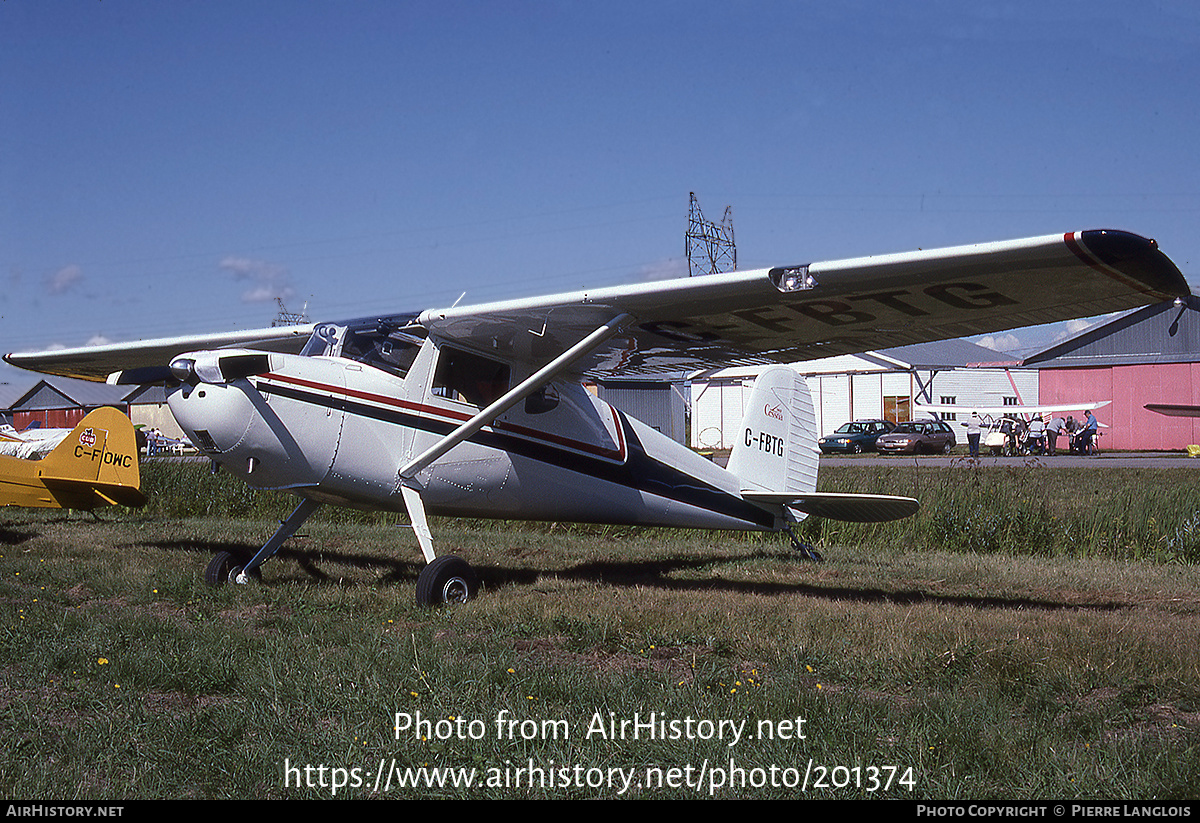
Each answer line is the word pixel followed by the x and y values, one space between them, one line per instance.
pixel 455 590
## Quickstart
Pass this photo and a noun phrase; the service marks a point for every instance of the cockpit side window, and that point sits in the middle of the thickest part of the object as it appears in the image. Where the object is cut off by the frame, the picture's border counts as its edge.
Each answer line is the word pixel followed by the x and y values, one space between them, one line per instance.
pixel 393 353
pixel 469 378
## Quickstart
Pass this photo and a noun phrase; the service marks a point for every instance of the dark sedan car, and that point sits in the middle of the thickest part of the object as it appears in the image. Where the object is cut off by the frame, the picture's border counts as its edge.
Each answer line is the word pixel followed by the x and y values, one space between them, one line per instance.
pixel 918 436
pixel 853 438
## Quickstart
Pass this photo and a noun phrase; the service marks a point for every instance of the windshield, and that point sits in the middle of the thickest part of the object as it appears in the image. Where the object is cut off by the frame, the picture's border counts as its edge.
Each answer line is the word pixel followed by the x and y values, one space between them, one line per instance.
pixel 908 428
pixel 326 341
pixel 850 428
pixel 392 348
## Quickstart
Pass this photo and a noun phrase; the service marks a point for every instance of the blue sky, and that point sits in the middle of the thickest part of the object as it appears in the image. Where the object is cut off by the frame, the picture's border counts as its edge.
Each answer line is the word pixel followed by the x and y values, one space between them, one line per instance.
pixel 174 167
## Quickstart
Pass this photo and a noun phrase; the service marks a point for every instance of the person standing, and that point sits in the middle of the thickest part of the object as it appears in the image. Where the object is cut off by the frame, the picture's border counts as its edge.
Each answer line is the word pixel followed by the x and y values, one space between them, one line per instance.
pixel 1071 429
pixel 1091 426
pixel 1053 430
pixel 973 432
pixel 1036 438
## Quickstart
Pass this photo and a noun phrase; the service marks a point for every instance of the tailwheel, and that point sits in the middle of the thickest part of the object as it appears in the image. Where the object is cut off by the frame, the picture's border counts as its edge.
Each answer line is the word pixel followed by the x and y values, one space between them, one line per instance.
pixel 225 568
pixel 447 579
pixel 217 573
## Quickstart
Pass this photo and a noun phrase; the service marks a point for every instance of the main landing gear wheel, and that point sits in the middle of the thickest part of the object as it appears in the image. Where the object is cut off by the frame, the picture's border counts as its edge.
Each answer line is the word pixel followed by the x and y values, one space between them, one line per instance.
pixel 224 568
pixel 448 579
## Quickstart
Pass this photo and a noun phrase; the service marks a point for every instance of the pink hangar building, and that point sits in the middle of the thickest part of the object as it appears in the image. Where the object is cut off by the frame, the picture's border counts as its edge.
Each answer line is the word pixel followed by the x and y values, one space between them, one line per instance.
pixel 1148 355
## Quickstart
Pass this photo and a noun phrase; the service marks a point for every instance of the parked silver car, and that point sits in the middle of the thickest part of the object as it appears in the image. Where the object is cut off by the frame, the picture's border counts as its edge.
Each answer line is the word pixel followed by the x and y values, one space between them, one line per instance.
pixel 917 436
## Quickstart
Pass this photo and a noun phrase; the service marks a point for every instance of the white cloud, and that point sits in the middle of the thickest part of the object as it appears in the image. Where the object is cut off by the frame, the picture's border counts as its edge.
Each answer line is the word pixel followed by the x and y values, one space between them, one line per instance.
pixel 63 280
pixel 1073 327
pixel 664 269
pixel 1000 343
pixel 268 281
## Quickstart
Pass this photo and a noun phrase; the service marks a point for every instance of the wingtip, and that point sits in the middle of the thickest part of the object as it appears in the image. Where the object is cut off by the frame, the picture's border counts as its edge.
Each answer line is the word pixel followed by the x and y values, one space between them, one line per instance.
pixel 1130 255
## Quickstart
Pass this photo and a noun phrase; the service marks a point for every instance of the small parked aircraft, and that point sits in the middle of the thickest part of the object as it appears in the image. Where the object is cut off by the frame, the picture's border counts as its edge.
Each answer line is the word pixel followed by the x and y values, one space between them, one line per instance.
pixel 31 443
pixel 1005 436
pixel 482 411
pixel 1023 411
pixel 95 465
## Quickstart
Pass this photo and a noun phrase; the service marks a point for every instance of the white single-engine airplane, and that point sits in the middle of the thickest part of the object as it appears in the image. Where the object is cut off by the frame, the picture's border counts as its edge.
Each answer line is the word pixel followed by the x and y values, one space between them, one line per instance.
pixel 481 410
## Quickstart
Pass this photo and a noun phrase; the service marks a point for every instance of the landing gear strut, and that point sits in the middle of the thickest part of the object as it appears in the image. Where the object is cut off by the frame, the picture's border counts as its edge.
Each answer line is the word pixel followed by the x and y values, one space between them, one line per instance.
pixel 805 549
pixel 223 568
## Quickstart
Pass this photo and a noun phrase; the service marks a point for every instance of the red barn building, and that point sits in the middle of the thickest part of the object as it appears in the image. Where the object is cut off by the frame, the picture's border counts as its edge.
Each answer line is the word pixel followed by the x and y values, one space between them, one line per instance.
pixel 57 402
pixel 1149 355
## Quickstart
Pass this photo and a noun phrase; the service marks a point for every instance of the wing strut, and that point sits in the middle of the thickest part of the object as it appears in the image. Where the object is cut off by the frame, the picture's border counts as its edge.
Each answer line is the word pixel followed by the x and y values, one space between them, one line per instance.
pixel 514 396
pixel 405 477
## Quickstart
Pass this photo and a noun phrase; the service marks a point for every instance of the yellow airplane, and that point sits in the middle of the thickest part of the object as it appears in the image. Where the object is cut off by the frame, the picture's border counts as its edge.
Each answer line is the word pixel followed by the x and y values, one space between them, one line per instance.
pixel 95 465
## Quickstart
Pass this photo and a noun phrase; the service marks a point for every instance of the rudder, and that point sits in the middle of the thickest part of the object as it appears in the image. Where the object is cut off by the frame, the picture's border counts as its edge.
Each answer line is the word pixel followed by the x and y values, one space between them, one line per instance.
pixel 97 460
pixel 776 449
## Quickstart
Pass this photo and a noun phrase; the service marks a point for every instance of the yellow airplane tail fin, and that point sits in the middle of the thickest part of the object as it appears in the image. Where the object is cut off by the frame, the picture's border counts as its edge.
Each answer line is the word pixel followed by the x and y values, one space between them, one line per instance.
pixel 96 464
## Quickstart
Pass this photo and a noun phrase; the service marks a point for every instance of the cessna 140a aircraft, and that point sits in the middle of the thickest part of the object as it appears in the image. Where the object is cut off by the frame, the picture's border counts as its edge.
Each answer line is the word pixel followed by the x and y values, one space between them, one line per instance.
pixel 481 410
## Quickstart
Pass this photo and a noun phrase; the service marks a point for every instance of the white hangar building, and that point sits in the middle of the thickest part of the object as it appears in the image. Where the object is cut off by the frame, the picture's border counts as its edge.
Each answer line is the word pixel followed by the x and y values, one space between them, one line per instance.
pixel 884 384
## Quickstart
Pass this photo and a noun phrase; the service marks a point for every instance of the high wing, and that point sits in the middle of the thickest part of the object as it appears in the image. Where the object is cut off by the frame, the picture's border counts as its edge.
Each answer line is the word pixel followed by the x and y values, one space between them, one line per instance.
pixel 30 444
pixel 791 314
pixel 1039 409
pixel 98 362
pixel 783 314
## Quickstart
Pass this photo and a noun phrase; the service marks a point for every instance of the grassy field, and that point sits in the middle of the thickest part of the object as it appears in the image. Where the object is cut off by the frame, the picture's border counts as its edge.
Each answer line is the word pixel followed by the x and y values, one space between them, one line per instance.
pixel 1031 634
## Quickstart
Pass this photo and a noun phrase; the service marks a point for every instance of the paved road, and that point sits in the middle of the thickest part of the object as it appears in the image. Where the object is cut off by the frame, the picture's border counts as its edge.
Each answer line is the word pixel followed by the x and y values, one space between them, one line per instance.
pixel 1141 460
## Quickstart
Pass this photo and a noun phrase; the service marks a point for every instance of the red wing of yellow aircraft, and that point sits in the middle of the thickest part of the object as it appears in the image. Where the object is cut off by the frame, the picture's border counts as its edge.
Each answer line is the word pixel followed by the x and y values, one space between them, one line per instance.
pixel 96 465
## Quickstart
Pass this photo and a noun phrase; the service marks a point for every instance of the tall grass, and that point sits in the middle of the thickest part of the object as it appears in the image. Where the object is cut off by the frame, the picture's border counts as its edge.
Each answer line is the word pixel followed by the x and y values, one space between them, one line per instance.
pixel 1032 510
pixel 191 489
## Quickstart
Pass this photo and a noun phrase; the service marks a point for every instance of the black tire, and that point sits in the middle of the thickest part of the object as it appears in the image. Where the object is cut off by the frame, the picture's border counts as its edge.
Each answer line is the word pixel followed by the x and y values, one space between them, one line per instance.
pixel 217 573
pixel 224 567
pixel 448 579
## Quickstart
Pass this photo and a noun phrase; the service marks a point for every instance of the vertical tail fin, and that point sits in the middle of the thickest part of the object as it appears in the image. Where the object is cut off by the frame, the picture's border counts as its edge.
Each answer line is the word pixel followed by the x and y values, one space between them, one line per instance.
pixel 776 450
pixel 775 457
pixel 96 464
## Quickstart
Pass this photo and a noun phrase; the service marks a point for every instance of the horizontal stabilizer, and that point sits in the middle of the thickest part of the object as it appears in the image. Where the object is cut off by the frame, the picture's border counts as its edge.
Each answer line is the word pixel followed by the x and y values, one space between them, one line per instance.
pixel 852 508
pixel 80 494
